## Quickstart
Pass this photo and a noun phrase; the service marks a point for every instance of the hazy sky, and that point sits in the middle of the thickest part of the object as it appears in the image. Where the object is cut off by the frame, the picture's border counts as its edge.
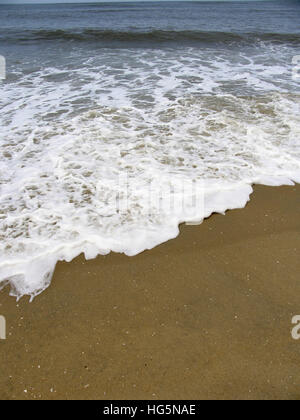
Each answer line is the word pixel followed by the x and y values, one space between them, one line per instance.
pixel 92 1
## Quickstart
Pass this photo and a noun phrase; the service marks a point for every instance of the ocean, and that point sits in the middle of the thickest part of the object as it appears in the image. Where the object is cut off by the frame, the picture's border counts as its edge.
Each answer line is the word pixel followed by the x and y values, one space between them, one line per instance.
pixel 119 121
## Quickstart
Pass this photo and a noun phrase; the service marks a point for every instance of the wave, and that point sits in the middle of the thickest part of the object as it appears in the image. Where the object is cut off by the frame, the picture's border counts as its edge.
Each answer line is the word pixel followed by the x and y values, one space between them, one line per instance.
pixel 90 35
pixel 78 187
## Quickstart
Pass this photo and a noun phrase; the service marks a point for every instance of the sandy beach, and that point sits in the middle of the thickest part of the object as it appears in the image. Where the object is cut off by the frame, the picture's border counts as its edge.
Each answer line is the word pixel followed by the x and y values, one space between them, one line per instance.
pixel 204 316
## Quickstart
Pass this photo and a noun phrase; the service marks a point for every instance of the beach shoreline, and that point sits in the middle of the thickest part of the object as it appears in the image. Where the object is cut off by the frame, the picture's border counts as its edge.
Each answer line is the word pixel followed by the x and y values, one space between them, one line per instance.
pixel 204 316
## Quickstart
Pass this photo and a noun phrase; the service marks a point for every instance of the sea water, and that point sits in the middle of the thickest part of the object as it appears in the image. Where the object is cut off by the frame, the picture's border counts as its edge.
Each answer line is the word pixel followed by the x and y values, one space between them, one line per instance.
pixel 119 121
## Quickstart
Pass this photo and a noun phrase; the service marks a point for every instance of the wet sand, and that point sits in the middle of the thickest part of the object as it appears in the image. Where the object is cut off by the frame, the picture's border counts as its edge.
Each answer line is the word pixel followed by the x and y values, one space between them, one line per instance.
pixel 204 316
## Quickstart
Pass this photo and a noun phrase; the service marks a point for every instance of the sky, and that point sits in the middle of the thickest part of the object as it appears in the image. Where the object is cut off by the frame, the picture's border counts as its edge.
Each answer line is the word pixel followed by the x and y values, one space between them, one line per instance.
pixel 92 1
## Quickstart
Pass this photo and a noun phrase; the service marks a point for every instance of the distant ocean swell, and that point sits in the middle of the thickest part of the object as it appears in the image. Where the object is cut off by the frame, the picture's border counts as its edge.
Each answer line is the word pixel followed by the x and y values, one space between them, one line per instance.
pixel 89 35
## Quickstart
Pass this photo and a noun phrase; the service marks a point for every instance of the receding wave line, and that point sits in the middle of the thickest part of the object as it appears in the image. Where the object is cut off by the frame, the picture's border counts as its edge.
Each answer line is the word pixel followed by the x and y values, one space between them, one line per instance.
pixel 87 35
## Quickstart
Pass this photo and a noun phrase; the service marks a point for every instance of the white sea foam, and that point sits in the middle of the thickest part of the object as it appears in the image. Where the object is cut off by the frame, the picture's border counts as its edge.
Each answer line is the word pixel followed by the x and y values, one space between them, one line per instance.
pixel 115 154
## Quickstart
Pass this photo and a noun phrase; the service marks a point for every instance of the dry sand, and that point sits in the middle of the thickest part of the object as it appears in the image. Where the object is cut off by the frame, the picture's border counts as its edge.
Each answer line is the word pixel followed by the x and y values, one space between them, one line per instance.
pixel 204 316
